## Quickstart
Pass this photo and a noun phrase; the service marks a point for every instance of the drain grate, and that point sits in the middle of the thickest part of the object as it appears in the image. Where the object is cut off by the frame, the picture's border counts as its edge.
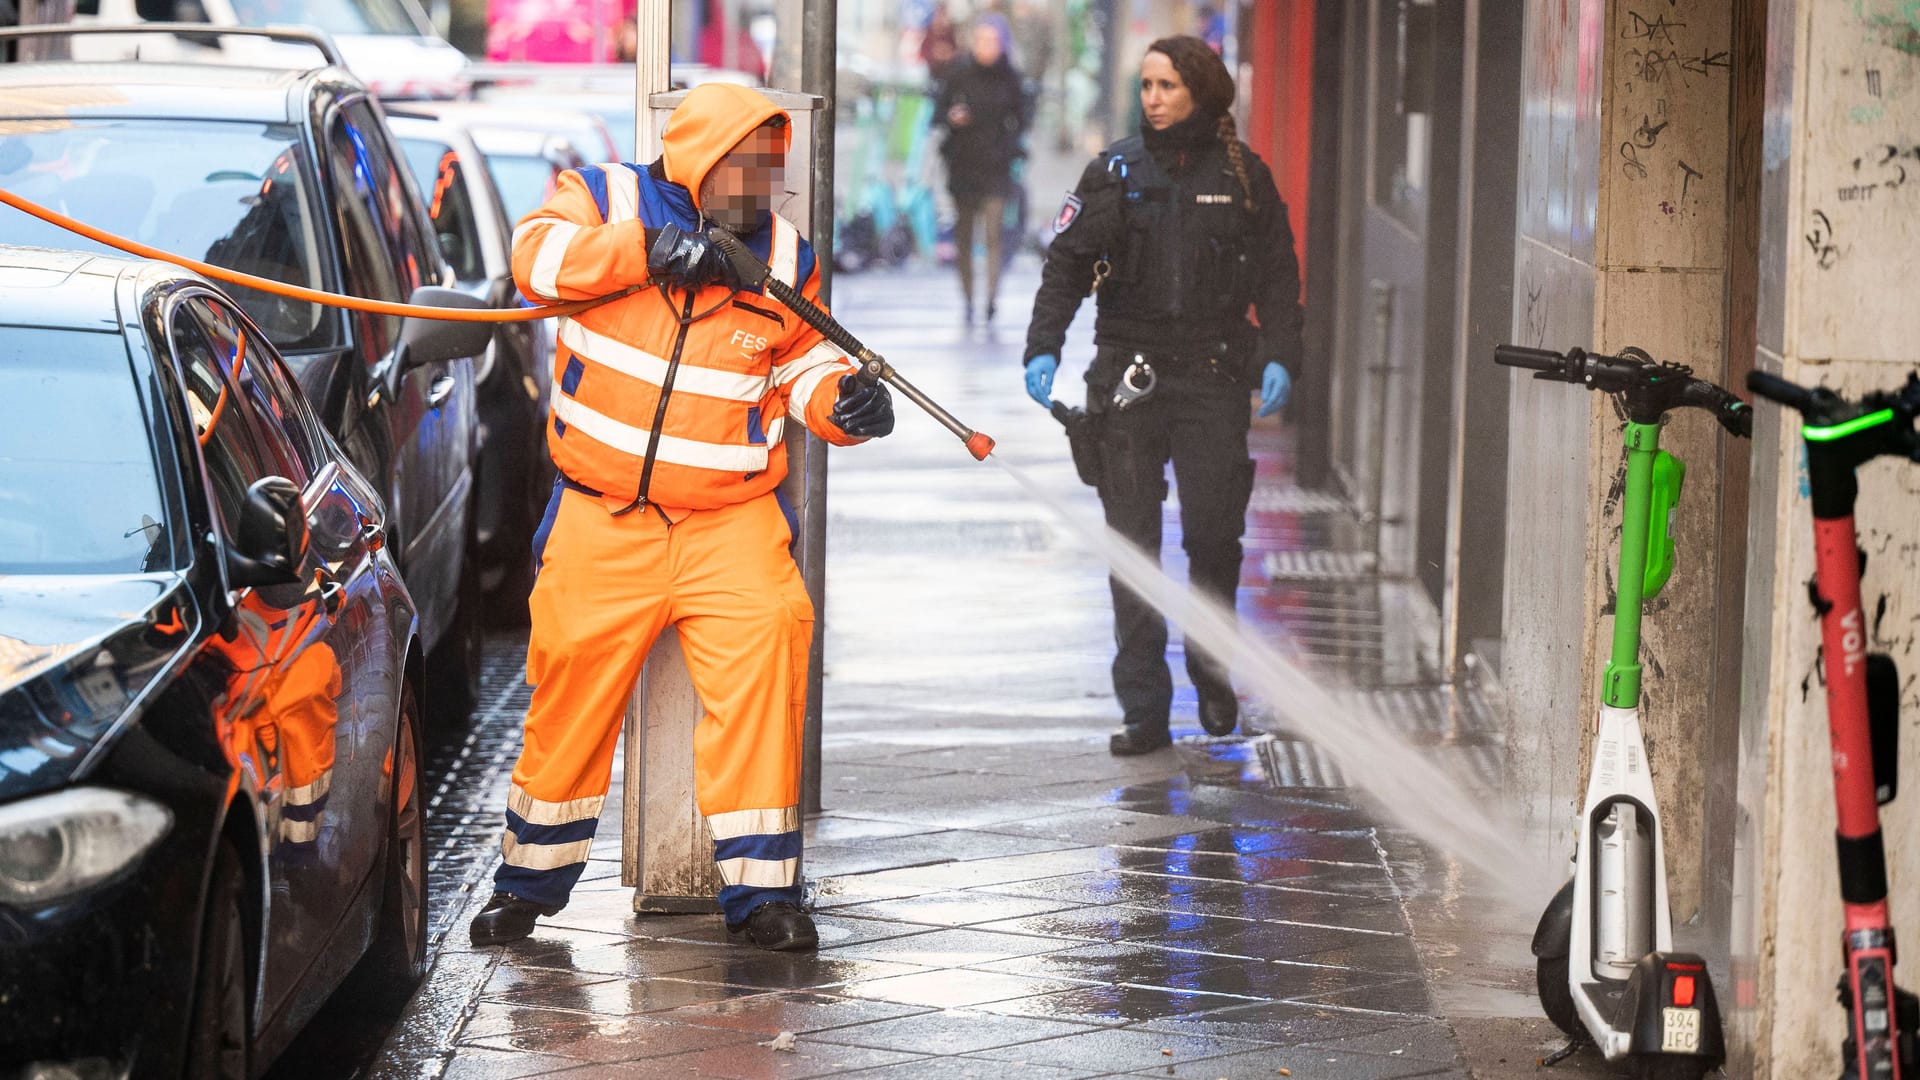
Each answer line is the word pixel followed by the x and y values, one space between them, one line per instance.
pixel 1296 500
pixel 1326 566
pixel 1291 763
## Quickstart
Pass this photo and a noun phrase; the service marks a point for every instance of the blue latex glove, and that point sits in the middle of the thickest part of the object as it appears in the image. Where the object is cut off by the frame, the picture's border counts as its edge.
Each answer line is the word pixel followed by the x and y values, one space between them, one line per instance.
pixel 1275 387
pixel 1040 371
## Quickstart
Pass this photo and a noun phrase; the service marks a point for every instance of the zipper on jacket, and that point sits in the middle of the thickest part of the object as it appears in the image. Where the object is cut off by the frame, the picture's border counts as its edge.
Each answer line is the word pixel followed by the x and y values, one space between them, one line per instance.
pixel 660 412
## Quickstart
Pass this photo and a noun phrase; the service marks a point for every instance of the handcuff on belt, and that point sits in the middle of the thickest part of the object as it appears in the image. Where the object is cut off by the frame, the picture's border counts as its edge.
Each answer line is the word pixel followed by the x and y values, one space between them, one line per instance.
pixel 1139 380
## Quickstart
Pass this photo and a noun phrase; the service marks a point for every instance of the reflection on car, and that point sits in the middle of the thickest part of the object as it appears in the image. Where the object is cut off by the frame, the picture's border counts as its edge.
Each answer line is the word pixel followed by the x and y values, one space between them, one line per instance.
pixel 210 806
pixel 290 175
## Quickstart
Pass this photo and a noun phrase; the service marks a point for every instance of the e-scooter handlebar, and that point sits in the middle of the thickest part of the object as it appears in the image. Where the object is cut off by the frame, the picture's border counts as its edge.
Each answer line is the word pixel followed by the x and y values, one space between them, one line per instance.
pixel 1651 387
pixel 1776 389
pixel 1884 419
pixel 1521 356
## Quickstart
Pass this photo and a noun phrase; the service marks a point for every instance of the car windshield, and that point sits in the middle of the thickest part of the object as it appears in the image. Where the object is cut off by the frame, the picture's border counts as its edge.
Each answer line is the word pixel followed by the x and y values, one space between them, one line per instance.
pixel 229 193
pixel 78 490
pixel 333 16
pixel 524 182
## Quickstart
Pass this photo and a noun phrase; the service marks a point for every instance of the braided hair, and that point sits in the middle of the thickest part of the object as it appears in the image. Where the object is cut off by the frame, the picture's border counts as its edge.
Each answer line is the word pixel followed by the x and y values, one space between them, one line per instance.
pixel 1212 88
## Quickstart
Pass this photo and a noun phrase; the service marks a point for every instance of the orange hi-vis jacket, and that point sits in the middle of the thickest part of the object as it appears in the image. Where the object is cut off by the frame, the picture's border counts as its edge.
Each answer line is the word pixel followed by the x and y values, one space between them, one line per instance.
pixel 721 409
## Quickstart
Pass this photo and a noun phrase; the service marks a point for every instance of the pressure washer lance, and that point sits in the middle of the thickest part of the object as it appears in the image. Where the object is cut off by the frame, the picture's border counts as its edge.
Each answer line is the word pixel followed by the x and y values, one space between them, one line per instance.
pixel 755 274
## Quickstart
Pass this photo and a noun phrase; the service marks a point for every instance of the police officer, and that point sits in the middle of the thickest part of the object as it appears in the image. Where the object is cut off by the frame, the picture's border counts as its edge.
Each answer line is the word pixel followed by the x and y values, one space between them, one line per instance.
pixel 1183 239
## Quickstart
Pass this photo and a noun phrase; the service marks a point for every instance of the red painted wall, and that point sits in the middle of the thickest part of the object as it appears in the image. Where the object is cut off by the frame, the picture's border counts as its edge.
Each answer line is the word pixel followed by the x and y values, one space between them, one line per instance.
pixel 1280 102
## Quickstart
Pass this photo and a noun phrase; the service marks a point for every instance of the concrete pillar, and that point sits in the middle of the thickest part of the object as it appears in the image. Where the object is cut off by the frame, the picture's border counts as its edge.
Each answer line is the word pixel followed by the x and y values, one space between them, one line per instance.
pixel 1838 237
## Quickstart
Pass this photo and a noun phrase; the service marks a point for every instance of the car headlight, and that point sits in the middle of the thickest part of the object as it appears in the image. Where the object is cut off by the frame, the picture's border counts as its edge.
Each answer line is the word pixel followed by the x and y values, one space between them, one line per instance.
pixel 56 845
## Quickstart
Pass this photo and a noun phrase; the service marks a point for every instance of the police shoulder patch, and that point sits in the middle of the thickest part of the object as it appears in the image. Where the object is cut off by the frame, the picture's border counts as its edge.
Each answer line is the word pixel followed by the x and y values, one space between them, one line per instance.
pixel 1069 213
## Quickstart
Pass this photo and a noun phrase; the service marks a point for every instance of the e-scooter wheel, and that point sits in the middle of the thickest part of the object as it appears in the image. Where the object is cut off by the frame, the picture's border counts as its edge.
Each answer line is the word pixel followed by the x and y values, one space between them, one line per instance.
pixel 1556 999
pixel 1552 940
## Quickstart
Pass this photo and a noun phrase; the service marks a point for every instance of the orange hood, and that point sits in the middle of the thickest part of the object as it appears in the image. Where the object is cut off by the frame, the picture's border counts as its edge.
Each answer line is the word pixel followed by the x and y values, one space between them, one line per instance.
pixel 710 121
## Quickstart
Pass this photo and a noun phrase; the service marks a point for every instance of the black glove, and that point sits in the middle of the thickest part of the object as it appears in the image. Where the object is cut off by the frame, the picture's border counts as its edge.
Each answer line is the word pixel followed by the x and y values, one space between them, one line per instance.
pixel 865 410
pixel 688 260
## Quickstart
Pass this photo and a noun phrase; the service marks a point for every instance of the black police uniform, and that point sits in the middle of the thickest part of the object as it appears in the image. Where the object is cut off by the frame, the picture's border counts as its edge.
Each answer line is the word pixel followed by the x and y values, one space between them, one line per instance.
pixel 1161 220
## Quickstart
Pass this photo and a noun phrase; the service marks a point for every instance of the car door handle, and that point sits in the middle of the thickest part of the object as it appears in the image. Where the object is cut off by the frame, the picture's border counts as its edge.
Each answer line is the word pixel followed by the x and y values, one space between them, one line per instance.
pixel 373 533
pixel 441 390
pixel 331 591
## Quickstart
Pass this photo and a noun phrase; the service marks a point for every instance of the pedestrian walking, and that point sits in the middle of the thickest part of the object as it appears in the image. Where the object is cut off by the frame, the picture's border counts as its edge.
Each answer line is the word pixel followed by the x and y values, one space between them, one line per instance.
pixel 1183 235
pixel 939 46
pixel 983 108
pixel 668 410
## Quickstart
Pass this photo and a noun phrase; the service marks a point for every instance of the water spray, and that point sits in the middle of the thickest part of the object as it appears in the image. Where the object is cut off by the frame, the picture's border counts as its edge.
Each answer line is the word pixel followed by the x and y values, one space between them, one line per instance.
pixel 873 367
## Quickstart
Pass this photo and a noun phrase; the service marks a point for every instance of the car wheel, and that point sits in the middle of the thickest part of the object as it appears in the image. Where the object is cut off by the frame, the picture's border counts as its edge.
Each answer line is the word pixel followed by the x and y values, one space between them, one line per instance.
pixel 396 960
pixel 219 1040
pixel 453 668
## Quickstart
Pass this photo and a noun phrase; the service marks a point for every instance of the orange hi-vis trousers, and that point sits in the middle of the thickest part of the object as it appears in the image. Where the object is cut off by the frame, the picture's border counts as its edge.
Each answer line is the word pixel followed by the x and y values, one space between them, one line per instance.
pixel 607 586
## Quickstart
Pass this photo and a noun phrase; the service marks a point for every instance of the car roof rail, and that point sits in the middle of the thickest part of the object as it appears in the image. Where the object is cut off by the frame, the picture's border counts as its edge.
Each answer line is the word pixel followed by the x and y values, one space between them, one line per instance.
pixel 299 35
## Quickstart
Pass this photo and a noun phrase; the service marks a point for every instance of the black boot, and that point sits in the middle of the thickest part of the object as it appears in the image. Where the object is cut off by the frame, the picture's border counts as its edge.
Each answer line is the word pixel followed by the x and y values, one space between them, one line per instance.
pixel 1219 713
pixel 507 918
pixel 778 926
pixel 1131 741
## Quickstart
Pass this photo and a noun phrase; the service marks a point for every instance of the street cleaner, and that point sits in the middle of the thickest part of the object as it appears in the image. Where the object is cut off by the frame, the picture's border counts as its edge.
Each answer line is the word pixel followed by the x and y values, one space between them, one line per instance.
pixel 668 411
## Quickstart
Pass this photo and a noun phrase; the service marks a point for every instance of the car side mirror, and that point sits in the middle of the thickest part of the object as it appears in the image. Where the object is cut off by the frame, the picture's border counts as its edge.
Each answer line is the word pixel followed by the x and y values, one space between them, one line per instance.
pixel 429 341
pixel 270 539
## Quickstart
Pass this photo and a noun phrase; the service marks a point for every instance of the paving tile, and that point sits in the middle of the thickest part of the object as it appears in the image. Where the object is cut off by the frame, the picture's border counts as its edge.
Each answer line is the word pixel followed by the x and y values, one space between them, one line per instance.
pixel 1104 825
pixel 751 1061
pixel 992 871
pixel 953 908
pixel 799 1011
pixel 1091 887
pixel 951 988
pixel 955 1031
pixel 951 813
pixel 1306 1064
pixel 799 971
pixel 481 1063
pixel 966 1068
pixel 1113 1006
pixel 1119 962
pixel 1232 900
pixel 1368 952
pixel 1406 996
pixel 605 1039
pixel 1264 868
pixel 1285 1023
pixel 834 829
pixel 1121 1050
pixel 952 948
pixel 918 849
pixel 621 997
pixel 1429 1042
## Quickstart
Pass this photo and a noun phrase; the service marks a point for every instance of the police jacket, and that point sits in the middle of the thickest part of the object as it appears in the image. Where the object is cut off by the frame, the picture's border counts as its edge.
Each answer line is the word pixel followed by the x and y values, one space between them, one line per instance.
pixel 649 398
pixel 1186 266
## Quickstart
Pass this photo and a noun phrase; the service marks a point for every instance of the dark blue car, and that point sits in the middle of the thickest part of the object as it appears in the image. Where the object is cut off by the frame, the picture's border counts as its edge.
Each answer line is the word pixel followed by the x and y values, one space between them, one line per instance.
pixel 210 806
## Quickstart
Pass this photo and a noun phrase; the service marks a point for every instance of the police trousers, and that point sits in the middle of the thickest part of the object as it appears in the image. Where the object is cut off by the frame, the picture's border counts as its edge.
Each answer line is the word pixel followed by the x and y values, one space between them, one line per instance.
pixel 605 589
pixel 1196 420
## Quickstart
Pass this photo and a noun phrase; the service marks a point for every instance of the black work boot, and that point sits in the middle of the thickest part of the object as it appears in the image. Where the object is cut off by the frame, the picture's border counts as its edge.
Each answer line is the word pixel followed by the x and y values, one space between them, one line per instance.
pixel 1219 713
pixel 1131 741
pixel 778 926
pixel 507 918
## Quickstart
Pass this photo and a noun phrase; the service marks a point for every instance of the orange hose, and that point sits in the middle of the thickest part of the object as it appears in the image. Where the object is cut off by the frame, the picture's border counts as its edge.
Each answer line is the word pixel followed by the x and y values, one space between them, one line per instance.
pixel 299 292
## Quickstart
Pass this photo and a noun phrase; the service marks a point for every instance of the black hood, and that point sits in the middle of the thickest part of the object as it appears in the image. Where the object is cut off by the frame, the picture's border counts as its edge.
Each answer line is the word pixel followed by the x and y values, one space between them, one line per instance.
pixel 76 652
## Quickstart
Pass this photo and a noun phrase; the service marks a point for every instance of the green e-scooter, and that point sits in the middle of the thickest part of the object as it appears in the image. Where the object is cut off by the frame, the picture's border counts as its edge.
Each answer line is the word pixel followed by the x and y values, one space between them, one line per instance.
pixel 1606 966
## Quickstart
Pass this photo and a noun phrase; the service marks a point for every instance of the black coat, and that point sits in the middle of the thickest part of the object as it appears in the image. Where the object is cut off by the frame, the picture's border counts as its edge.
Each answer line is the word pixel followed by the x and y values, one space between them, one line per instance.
pixel 980 155
pixel 1186 258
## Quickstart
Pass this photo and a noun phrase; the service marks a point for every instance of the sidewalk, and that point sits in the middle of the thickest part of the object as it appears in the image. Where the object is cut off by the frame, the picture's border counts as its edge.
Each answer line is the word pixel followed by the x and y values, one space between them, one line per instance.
pixel 997 896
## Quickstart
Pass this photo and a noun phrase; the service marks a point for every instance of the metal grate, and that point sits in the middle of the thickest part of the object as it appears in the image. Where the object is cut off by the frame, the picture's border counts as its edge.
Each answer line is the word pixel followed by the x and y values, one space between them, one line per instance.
pixel 1296 500
pixel 1292 763
pixel 1327 566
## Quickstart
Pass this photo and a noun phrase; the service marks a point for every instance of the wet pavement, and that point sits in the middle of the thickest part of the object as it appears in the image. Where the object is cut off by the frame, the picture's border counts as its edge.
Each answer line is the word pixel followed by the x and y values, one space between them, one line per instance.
pixel 997 896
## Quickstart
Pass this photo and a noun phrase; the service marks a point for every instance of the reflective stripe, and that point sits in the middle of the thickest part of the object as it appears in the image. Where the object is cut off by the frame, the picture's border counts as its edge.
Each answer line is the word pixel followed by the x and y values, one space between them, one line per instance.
pixel 753 822
pixel 783 258
pixel 825 352
pixel 299 832
pixel 805 385
pixel 764 873
pixel 623 194
pixel 541 812
pixel 543 856
pixel 313 792
pixel 672 449
pixel 776 430
pixel 545 275
pixel 640 364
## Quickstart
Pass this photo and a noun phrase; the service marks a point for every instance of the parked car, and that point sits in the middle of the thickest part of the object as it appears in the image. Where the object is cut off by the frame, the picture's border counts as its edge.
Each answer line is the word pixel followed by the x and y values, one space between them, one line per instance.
pixel 210 792
pixel 526 149
pixel 291 175
pixel 515 475
pixel 390 44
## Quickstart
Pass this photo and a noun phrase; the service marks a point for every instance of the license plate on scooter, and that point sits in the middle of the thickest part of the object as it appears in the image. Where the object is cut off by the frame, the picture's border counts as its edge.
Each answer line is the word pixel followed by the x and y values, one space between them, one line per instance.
pixel 1680 1031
